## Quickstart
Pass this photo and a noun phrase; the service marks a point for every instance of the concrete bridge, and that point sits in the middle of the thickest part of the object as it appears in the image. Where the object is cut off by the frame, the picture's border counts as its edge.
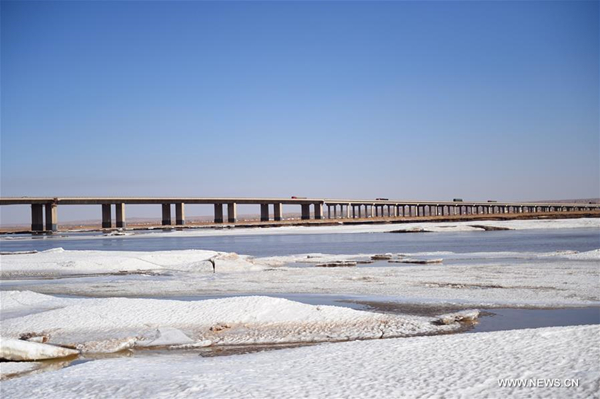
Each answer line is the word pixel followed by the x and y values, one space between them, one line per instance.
pixel 44 215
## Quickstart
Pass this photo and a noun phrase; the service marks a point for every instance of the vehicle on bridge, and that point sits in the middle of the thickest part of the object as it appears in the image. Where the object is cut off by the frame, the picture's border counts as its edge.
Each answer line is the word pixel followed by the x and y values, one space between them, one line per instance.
pixel 457 200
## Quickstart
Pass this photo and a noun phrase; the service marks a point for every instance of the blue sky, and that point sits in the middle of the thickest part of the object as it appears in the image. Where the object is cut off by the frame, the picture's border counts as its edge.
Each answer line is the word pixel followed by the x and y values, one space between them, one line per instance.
pixel 413 100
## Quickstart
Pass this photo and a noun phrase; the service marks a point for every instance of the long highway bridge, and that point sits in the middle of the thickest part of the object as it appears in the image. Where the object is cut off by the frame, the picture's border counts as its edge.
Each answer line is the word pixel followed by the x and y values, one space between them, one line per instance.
pixel 44 215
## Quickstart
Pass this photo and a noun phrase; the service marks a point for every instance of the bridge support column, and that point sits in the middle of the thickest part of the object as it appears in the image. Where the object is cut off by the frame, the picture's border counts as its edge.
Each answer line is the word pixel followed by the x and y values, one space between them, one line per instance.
pixel 218 213
pixel 166 214
pixel 180 214
pixel 305 211
pixel 318 211
pixel 106 217
pixel 329 211
pixel 37 217
pixel 264 212
pixel 278 211
pixel 51 217
pixel 120 215
pixel 347 214
pixel 359 207
pixel 232 212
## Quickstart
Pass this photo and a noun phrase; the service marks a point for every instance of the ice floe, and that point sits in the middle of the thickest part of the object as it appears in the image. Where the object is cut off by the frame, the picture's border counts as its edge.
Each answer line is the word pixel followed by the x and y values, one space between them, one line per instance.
pixel 58 262
pixel 104 325
pixel 16 349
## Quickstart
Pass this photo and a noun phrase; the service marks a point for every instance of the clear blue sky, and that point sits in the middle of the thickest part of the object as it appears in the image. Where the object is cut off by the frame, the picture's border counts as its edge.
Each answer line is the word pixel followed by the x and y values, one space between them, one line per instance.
pixel 415 100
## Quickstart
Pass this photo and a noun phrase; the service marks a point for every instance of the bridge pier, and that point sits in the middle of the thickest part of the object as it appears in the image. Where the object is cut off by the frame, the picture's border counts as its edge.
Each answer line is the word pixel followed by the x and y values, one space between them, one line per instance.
pixel 305 211
pixel 278 211
pixel 232 212
pixel 180 214
pixel 37 217
pixel 51 217
pixel 318 211
pixel 264 212
pixel 166 214
pixel 120 215
pixel 106 216
pixel 218 213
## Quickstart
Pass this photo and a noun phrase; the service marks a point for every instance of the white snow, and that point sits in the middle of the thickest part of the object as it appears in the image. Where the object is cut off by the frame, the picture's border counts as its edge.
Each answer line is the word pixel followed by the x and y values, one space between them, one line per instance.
pixel 58 262
pixel 114 324
pixel 16 349
pixel 11 369
pixel 452 366
pixel 589 255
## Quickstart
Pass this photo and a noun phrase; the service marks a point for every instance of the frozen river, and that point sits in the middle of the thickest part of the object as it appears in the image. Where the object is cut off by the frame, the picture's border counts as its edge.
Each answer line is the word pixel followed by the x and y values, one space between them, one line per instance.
pixel 524 241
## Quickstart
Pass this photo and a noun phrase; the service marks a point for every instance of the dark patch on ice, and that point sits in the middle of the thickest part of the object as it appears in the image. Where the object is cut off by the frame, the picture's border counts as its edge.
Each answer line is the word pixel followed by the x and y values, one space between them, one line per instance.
pixel 489 228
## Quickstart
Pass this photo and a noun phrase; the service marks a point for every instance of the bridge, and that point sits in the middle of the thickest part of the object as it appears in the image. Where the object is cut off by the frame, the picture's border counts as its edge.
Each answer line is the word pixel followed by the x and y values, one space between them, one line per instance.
pixel 44 215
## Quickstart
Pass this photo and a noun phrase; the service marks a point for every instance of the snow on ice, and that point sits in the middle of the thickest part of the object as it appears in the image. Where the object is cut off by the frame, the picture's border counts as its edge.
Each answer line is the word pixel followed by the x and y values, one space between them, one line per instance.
pixel 463 365
pixel 114 324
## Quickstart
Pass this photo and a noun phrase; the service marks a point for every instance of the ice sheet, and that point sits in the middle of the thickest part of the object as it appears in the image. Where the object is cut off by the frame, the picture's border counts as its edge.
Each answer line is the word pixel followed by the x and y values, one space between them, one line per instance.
pixel 468 366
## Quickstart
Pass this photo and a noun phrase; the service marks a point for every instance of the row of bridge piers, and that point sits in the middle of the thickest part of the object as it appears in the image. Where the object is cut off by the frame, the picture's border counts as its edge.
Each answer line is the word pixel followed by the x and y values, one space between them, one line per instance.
pixel 44 216
pixel 352 211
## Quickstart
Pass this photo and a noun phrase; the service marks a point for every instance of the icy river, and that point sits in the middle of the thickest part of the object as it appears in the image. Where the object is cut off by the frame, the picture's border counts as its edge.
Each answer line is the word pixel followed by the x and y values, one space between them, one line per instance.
pixel 153 301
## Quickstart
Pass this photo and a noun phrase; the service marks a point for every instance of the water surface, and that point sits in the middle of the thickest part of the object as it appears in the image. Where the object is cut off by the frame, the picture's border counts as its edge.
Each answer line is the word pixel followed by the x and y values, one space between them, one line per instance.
pixel 542 240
